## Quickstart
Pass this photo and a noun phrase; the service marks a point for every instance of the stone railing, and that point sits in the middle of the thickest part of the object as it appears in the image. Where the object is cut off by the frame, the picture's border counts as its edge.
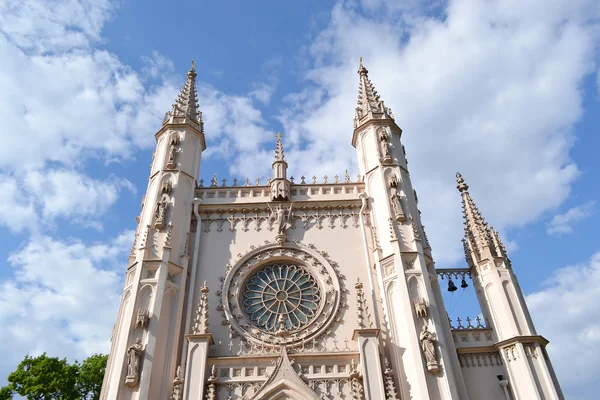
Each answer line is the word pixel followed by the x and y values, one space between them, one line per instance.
pixel 215 182
pixel 468 323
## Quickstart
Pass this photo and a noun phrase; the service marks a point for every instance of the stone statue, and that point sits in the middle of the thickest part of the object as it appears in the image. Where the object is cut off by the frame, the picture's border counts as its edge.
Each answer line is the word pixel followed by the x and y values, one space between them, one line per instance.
pixel 281 217
pixel 397 207
pixel 161 208
pixel 172 150
pixel 134 353
pixel 282 220
pixel 428 347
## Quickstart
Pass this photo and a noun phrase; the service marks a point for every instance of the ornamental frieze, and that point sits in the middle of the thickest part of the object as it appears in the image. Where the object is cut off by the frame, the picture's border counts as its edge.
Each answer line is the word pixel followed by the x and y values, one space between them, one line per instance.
pixel 258 219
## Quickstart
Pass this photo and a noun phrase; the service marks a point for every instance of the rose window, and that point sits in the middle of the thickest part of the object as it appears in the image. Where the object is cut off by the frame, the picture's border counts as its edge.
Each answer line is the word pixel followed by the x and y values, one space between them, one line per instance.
pixel 281 294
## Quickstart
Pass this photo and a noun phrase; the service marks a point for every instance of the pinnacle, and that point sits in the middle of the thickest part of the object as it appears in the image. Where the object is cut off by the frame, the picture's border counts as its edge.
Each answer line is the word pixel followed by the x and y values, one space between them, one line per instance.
pixel 478 234
pixel 369 103
pixel 361 69
pixel 279 148
pixel 185 109
pixel 462 186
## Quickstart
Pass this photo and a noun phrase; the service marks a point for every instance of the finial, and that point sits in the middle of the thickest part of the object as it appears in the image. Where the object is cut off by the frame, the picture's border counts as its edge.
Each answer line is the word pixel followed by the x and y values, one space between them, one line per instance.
pixel 193 65
pixel 279 148
pixel 361 68
pixel 462 186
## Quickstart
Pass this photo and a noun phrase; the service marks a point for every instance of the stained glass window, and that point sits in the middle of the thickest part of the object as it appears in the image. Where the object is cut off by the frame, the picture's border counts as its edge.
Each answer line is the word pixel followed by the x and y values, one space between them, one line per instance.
pixel 281 289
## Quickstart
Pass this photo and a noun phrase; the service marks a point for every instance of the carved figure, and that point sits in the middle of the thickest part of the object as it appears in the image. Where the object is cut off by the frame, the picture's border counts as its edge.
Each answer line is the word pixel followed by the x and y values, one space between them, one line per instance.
pixel 281 217
pixel 142 318
pixel 172 150
pixel 134 353
pixel 397 207
pixel 161 208
pixel 428 347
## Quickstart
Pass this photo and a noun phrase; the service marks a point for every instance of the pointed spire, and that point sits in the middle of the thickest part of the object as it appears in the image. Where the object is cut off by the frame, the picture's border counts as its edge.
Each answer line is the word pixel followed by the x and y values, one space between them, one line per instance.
pixel 279 148
pixel 370 106
pixel 479 238
pixel 280 185
pixel 185 110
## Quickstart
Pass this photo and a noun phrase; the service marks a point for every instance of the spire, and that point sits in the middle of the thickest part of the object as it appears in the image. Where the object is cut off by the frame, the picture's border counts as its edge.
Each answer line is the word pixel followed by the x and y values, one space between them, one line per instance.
pixel 370 106
pixel 279 148
pixel 280 185
pixel 185 110
pixel 480 240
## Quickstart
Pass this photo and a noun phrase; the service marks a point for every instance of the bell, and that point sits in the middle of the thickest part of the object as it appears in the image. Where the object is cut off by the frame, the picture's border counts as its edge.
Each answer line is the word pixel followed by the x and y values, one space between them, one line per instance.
pixel 464 284
pixel 451 286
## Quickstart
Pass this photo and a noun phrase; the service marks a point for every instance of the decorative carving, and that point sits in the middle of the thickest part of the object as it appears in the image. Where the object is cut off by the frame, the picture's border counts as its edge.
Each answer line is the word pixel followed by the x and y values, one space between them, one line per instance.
pixel 144 240
pixel 386 157
pixel 134 354
pixel 393 182
pixel 169 236
pixel 359 304
pixel 281 218
pixel 143 316
pixel 390 387
pixel 167 187
pixel 313 216
pixel 211 393
pixel 356 382
pixel 415 230
pixel 201 320
pixel 421 308
pixel 177 385
pixel 362 309
pixel 173 143
pixel 489 359
pixel 397 208
pixel 428 347
pixel 511 353
pixel 160 213
pixel 280 189
pixel 323 270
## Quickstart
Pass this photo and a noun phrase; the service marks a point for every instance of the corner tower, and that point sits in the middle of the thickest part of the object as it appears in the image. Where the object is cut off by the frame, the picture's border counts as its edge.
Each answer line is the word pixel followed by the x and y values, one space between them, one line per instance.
pixel 144 345
pixel 400 257
pixel 530 371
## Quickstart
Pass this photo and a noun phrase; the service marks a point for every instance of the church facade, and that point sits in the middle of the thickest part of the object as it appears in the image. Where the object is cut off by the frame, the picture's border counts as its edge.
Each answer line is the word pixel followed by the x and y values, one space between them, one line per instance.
pixel 298 289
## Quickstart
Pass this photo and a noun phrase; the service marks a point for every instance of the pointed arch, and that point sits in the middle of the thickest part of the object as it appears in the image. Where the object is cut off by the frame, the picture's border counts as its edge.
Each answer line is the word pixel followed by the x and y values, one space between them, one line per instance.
pixel 284 383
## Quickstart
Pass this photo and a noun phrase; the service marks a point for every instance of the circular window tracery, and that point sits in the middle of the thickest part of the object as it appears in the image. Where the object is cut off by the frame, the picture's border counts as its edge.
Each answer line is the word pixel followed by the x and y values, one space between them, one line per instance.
pixel 281 296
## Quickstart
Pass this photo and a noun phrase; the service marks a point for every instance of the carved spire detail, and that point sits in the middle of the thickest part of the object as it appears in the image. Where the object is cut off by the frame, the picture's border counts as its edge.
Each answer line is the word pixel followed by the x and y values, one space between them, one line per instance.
pixel 279 149
pixel 185 110
pixel 201 320
pixel 280 185
pixel 481 242
pixel 370 105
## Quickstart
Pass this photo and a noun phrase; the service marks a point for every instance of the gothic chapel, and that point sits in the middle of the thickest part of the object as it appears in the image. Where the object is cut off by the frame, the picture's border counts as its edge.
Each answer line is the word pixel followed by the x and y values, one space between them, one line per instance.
pixel 299 289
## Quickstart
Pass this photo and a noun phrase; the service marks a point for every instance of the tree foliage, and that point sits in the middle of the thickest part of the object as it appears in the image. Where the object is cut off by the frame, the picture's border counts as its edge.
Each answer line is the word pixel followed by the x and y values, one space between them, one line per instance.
pixel 50 378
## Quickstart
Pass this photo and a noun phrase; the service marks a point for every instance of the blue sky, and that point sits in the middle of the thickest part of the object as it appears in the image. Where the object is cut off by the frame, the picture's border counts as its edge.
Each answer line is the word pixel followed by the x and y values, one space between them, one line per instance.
pixel 506 93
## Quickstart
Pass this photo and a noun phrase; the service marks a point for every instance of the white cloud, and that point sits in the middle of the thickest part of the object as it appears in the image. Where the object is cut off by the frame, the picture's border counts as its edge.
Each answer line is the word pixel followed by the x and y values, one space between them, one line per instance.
pixel 234 126
pixel 563 223
pixel 34 200
pixel 492 91
pixel 45 27
pixel 62 298
pixel 67 107
pixel 565 312
pixel 157 65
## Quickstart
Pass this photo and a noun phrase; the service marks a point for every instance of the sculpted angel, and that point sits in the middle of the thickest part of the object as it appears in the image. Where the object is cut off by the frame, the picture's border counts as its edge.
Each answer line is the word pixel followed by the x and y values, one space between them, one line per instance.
pixel 281 218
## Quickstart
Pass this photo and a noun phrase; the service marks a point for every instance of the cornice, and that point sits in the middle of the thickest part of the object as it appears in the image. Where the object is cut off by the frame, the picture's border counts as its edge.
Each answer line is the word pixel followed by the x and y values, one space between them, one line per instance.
pixel 184 126
pixel 378 122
